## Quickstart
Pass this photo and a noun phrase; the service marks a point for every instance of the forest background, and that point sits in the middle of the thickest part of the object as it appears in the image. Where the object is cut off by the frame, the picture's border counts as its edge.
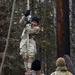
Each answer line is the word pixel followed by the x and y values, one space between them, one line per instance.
pixel 45 40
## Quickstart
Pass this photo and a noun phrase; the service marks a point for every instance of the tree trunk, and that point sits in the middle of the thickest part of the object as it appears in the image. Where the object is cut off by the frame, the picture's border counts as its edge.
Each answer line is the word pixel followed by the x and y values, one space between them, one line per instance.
pixel 73 30
pixel 62 27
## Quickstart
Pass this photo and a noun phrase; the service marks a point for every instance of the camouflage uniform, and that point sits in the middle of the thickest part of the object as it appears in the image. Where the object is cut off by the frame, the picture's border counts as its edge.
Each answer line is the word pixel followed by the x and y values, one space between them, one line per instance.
pixel 61 67
pixel 28 46
pixel 61 71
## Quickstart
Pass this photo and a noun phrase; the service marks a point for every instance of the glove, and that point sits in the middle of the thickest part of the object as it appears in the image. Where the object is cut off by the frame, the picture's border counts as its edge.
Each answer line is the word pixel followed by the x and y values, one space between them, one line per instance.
pixel 27 13
pixel 28 22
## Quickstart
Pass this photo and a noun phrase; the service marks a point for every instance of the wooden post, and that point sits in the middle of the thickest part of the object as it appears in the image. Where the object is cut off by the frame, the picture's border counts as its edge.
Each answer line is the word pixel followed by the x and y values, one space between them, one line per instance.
pixel 62 27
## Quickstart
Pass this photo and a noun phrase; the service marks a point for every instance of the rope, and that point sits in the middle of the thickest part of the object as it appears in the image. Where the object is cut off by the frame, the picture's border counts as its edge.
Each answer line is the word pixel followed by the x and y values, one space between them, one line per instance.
pixel 27 32
pixel 28 7
pixel 7 40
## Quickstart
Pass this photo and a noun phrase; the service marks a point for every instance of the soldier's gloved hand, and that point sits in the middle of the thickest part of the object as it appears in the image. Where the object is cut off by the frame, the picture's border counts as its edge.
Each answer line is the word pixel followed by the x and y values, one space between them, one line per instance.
pixel 27 13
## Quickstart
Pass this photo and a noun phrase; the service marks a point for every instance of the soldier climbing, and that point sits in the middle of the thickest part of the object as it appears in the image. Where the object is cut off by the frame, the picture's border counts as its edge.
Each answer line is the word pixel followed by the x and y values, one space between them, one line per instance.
pixel 28 45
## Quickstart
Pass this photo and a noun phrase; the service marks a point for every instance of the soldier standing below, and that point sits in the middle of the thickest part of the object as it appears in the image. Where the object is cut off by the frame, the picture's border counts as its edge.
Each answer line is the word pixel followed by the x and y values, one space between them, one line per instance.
pixel 61 67
pixel 35 68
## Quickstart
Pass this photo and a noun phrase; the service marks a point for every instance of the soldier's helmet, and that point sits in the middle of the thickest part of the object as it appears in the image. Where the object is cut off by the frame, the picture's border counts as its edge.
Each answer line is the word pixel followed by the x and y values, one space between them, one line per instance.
pixel 36 65
pixel 35 19
pixel 60 62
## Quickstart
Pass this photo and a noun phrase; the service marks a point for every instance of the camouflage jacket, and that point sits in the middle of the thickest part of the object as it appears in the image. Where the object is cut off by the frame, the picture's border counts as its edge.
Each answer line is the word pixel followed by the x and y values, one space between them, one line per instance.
pixel 61 71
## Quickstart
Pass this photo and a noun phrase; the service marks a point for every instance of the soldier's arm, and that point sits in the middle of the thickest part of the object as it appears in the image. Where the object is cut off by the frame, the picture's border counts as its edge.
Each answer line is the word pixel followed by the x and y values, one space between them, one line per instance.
pixel 24 17
pixel 22 20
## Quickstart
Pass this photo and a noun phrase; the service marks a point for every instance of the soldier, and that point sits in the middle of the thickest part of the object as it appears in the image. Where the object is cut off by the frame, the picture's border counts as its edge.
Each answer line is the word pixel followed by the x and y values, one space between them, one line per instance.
pixel 28 45
pixel 61 67
pixel 35 68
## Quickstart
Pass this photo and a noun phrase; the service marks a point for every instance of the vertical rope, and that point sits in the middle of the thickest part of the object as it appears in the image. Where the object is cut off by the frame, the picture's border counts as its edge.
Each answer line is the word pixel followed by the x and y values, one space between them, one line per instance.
pixel 27 30
pixel 28 7
pixel 28 33
pixel 7 40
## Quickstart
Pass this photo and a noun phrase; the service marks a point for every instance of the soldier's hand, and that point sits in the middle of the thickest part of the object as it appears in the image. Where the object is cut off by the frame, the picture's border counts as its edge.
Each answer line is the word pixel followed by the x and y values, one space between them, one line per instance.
pixel 27 13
